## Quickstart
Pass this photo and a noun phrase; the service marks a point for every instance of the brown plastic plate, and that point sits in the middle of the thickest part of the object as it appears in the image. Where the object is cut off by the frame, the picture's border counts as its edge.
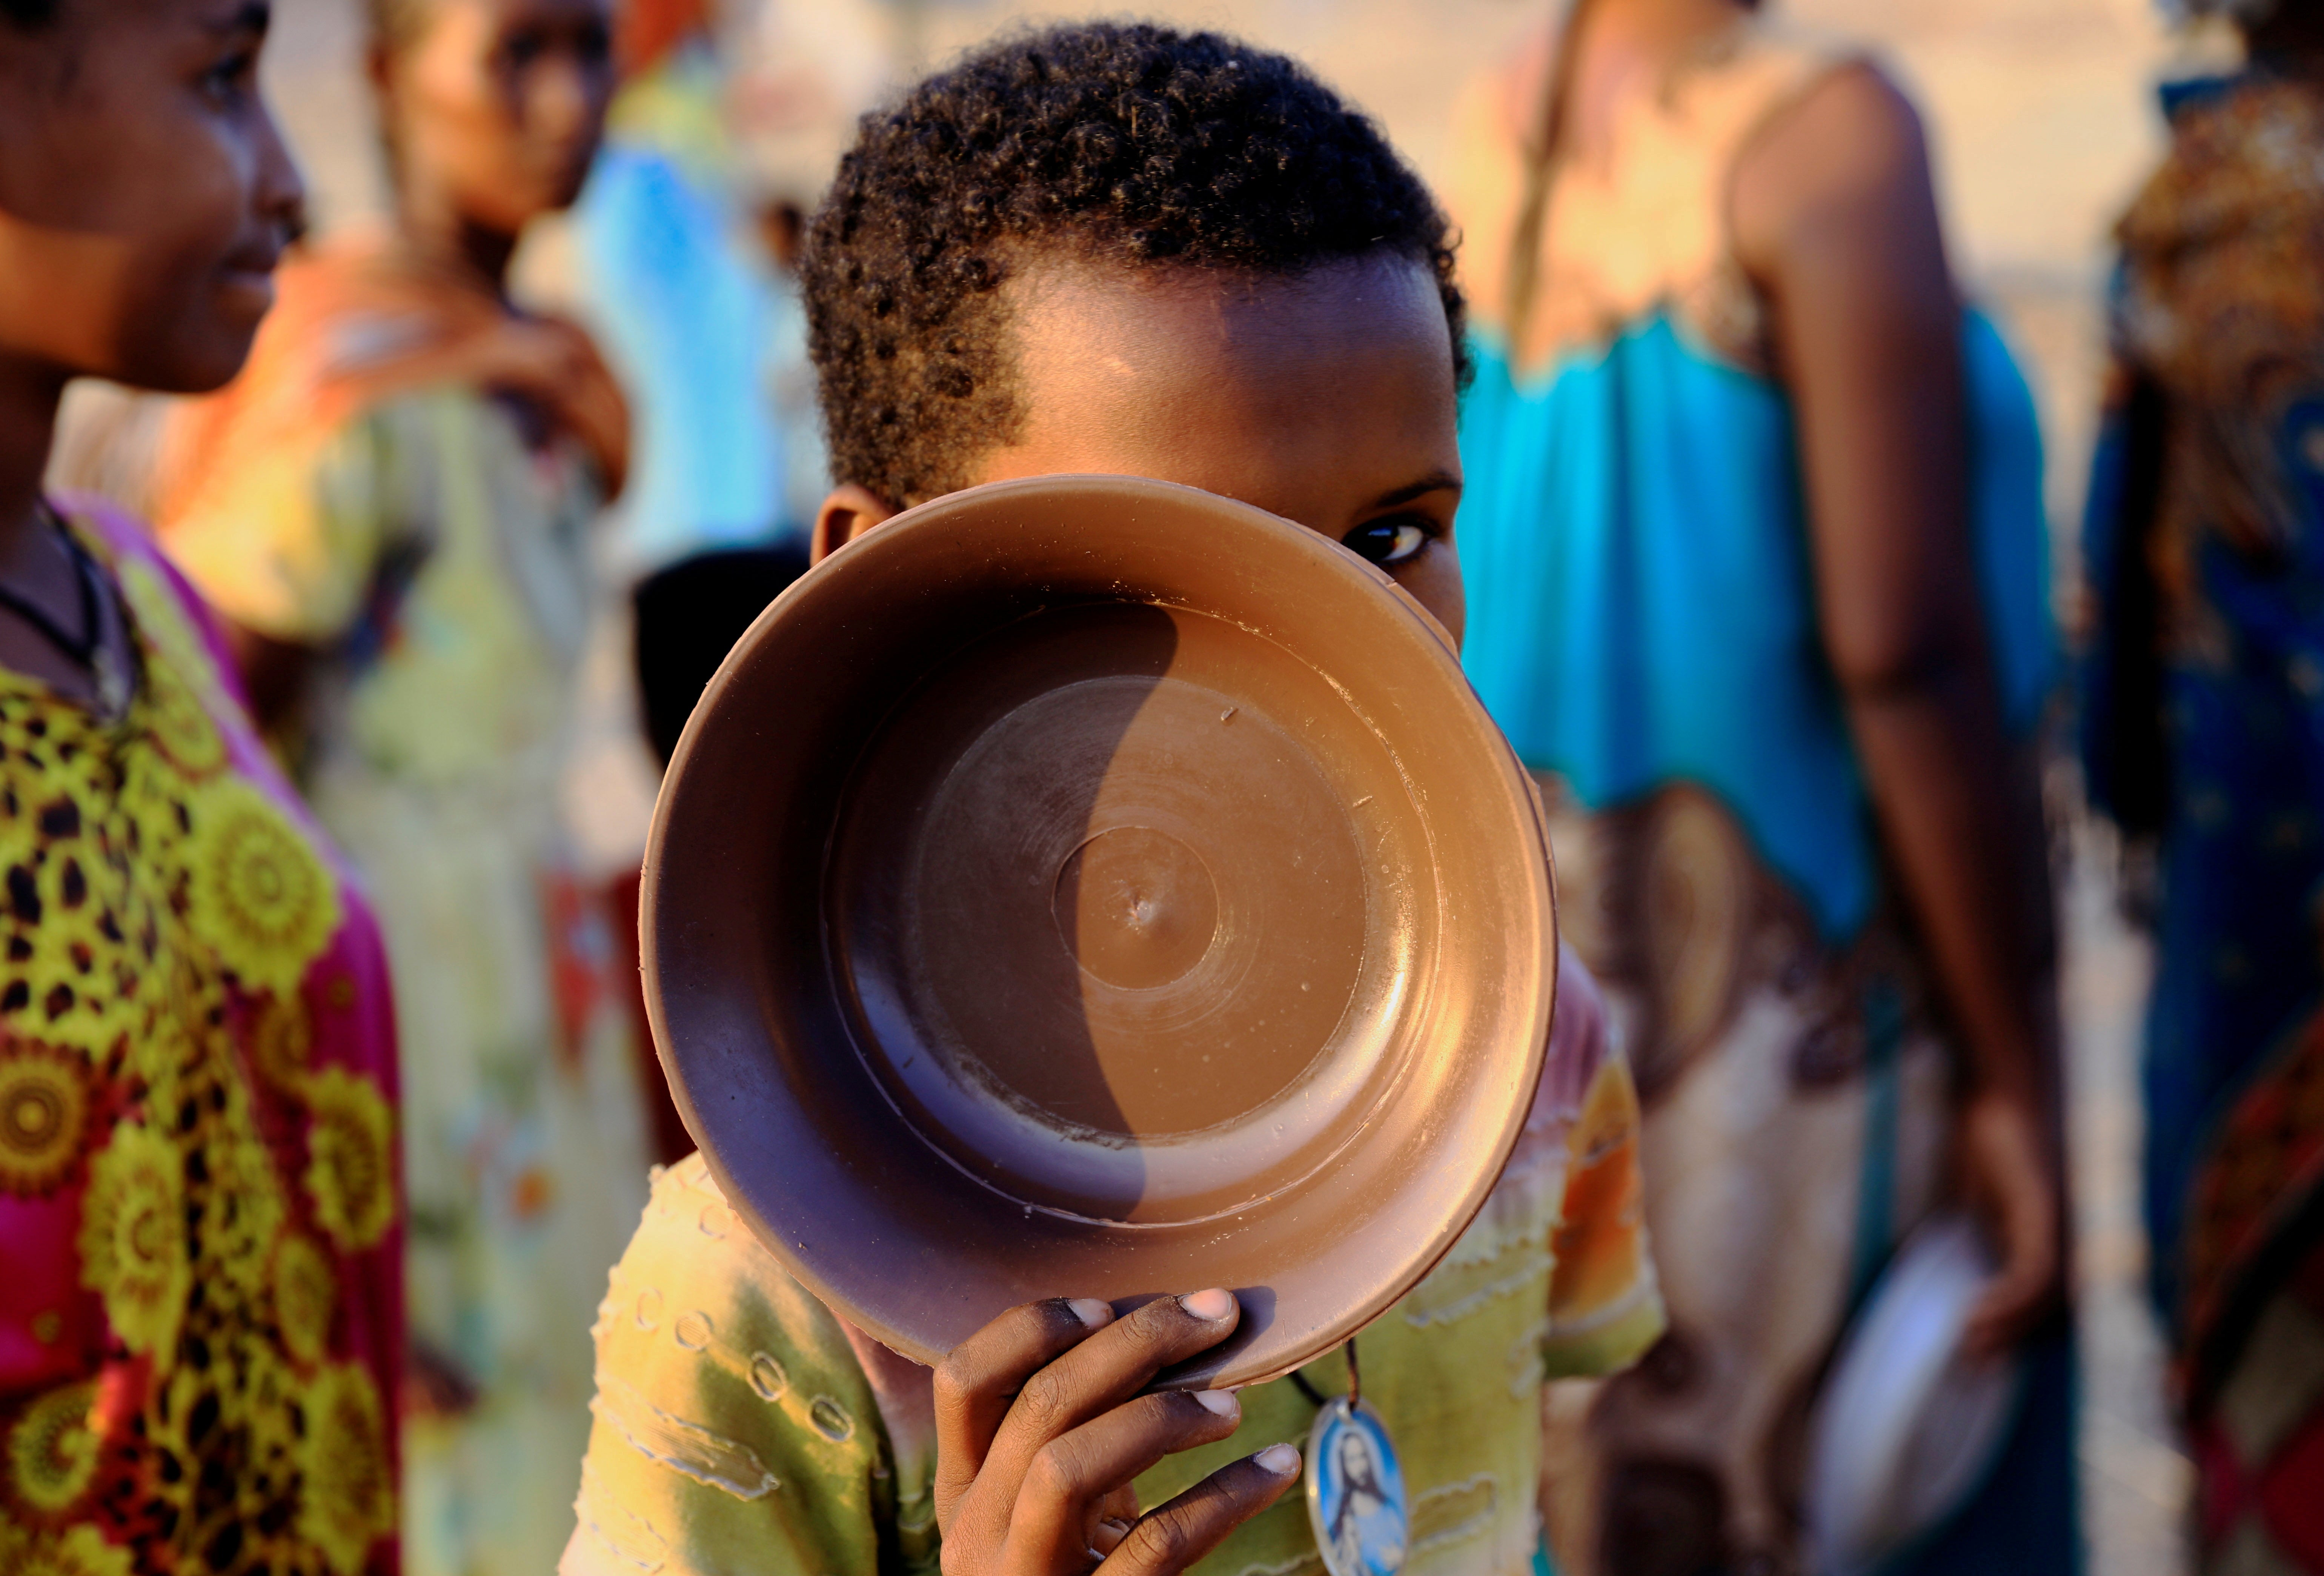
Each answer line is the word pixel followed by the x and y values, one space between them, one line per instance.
pixel 1092 887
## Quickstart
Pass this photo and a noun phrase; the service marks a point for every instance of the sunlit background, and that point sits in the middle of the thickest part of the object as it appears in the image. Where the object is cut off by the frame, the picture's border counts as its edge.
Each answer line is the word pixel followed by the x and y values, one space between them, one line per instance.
pixel 2041 116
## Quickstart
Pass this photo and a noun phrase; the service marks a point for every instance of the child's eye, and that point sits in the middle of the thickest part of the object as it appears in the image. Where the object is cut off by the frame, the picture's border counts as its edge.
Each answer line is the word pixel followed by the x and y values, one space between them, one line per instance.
pixel 1387 542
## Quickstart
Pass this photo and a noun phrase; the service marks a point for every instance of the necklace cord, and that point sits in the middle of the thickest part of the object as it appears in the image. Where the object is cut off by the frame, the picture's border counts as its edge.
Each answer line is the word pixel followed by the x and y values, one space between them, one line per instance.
pixel 88 650
pixel 1316 1398
pixel 80 650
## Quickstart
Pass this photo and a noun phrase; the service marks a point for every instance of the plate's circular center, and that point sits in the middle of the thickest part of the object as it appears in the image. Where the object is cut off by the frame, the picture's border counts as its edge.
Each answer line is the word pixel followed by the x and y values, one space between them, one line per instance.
pixel 1137 908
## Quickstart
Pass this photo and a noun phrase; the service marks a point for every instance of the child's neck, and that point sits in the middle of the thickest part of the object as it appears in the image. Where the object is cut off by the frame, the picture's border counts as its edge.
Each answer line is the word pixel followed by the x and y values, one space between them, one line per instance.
pixel 434 232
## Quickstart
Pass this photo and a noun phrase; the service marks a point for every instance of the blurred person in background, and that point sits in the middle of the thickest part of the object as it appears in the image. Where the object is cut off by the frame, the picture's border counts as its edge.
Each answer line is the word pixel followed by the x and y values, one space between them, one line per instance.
pixel 201 1312
pixel 2203 718
pixel 1756 565
pixel 394 508
pixel 684 619
pixel 674 276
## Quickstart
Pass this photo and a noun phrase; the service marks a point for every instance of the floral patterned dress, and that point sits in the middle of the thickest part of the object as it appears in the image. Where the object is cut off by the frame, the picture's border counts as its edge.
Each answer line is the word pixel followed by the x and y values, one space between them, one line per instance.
pixel 2204 723
pixel 201 1315
pixel 367 491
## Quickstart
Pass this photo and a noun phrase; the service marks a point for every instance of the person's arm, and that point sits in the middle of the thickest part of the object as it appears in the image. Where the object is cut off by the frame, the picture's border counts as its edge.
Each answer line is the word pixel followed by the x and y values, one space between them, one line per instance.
pixel 2125 767
pixel 274 674
pixel 1836 219
pixel 284 547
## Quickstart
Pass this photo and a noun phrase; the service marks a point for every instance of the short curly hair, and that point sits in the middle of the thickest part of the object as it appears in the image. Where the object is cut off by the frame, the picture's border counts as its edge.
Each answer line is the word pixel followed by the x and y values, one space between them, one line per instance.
pixel 1127 142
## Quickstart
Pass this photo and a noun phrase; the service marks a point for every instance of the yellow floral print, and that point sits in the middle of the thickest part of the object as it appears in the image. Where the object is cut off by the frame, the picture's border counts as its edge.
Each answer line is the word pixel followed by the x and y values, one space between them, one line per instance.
pixel 246 1209
pixel 350 1170
pixel 304 1293
pixel 53 1451
pixel 69 948
pixel 281 1036
pixel 77 1551
pixel 162 620
pixel 348 1498
pixel 133 1238
pixel 159 915
pixel 177 721
pixel 264 899
pixel 43 1114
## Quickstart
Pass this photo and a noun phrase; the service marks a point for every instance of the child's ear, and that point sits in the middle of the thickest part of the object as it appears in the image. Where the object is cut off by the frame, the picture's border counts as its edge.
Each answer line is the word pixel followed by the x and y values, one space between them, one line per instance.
pixel 846 514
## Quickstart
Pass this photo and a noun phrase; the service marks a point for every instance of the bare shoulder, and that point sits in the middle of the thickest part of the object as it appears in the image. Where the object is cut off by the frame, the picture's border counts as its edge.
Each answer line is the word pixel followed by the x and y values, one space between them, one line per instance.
pixel 1851 147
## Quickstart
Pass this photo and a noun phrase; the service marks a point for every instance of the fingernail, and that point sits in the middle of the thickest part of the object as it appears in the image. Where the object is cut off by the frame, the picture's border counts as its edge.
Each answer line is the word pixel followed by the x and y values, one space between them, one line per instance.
pixel 1280 1459
pixel 1218 1401
pixel 1211 1306
pixel 1090 1312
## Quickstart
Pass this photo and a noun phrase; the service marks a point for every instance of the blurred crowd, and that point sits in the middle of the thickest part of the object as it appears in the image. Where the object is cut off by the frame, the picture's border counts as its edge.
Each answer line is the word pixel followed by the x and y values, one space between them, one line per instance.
pixel 336 682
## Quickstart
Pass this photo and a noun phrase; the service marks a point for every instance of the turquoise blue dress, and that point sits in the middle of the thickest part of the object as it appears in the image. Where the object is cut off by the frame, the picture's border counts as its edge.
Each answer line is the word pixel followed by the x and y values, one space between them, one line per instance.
pixel 1642 612
pixel 689 316
pixel 1642 605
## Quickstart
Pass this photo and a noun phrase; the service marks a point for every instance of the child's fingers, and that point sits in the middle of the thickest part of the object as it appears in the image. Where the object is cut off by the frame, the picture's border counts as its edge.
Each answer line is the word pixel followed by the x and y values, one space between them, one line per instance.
pixel 1175 1536
pixel 1120 1509
pixel 1101 1373
pixel 975 1384
pixel 1073 1481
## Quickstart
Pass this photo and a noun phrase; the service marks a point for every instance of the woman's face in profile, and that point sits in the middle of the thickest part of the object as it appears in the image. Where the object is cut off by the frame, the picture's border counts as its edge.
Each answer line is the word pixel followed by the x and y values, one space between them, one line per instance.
pixel 144 191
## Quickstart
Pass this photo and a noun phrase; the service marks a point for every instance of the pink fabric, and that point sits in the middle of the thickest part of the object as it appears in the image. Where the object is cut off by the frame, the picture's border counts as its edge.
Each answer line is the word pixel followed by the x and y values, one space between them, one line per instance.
pixel 345 990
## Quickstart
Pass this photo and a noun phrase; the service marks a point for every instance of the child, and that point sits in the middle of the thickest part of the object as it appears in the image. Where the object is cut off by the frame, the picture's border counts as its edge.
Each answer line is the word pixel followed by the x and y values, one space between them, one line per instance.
pixel 394 508
pixel 201 1312
pixel 1117 248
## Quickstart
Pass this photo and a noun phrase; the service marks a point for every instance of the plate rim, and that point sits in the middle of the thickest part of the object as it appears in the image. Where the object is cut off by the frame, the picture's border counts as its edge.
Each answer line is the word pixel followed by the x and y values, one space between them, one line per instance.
pixel 1514 789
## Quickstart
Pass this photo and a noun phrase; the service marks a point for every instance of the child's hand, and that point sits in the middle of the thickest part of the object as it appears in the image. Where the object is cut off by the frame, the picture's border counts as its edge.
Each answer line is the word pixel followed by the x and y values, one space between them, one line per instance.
pixel 1040 1428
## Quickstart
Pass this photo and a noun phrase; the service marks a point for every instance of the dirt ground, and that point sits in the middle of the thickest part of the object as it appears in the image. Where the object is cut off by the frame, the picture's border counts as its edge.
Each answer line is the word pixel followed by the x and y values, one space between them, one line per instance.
pixel 2042 122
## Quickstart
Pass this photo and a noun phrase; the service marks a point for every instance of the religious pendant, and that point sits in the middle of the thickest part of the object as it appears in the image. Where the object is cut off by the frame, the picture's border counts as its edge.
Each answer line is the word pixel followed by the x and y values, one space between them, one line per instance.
pixel 1355 1489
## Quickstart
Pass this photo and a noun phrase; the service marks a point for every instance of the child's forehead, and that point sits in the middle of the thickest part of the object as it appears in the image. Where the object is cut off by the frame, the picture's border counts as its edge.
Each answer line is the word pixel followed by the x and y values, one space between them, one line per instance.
pixel 1307 394
pixel 1071 315
pixel 1043 279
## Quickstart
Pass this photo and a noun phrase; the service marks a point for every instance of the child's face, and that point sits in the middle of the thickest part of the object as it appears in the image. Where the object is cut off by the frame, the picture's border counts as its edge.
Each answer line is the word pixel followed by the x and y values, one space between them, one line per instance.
pixel 1328 400
pixel 499 105
pixel 144 191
